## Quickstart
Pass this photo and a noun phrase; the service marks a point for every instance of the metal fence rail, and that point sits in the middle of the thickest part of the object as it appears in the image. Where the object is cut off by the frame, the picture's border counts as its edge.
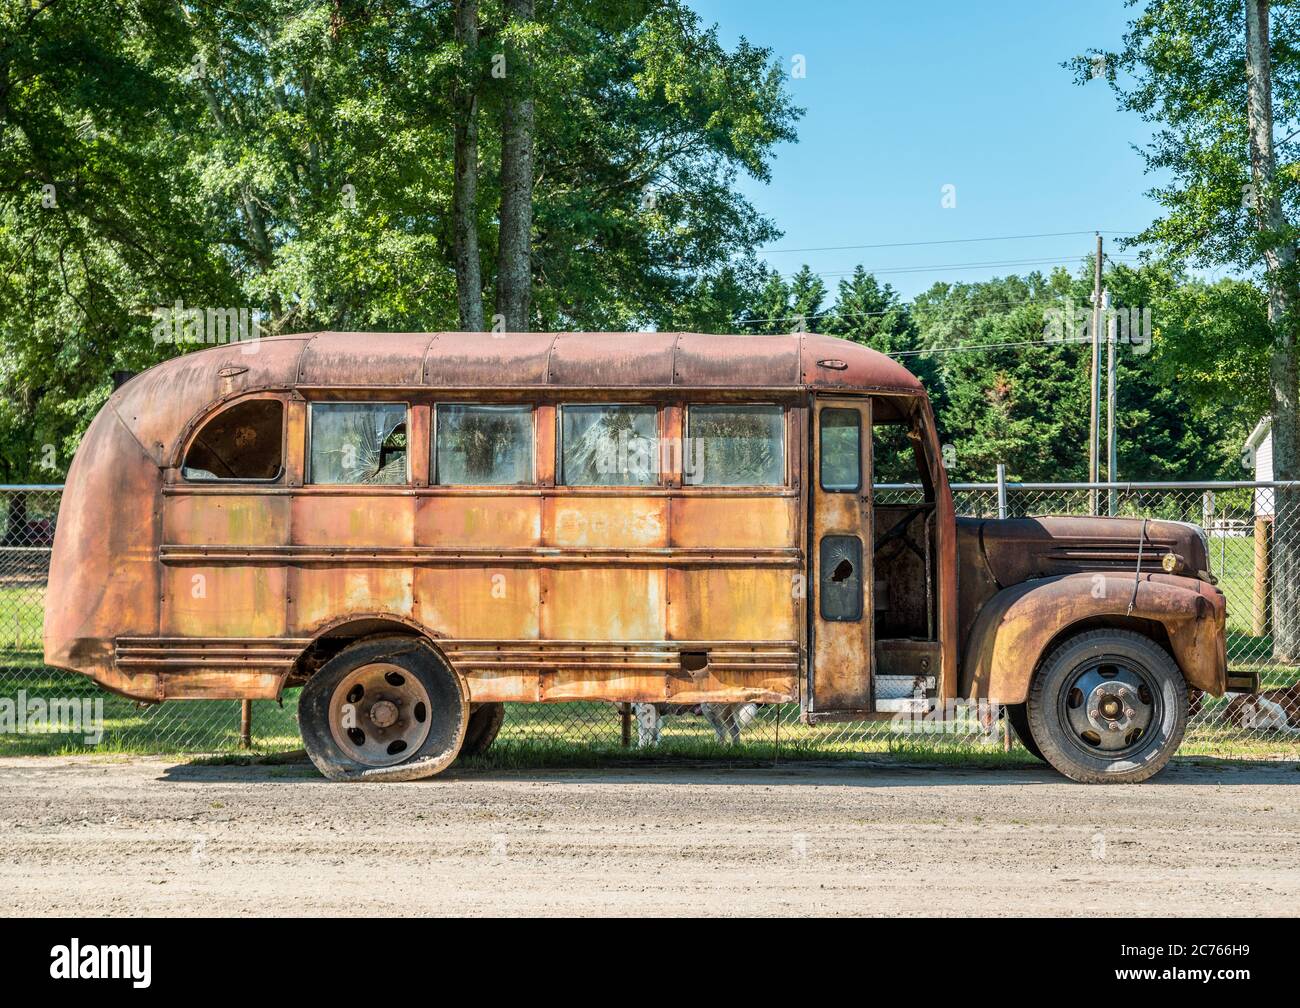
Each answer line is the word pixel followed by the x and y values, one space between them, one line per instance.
pixel 1239 519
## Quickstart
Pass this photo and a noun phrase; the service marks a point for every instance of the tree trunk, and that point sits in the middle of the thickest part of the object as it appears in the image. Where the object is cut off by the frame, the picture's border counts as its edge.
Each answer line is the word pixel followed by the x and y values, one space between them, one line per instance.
pixel 16 520
pixel 1283 298
pixel 514 242
pixel 469 270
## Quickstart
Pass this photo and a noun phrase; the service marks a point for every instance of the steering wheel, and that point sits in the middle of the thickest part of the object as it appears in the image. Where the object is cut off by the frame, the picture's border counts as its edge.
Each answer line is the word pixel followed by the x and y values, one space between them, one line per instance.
pixel 900 530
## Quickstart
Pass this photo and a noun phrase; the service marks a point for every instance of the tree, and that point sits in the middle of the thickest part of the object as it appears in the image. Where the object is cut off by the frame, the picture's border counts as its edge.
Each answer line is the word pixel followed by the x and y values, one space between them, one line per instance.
pixel 1207 72
pixel 514 239
pixel 469 276
pixel 94 216
pixel 302 159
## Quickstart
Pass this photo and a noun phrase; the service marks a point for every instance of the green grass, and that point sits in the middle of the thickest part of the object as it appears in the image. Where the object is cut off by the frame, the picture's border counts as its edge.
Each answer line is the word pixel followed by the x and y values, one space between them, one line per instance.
pixel 22 617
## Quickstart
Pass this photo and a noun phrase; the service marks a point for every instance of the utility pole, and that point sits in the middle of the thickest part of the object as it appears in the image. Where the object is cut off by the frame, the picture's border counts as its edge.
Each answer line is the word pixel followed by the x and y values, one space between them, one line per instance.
pixel 1112 395
pixel 1094 447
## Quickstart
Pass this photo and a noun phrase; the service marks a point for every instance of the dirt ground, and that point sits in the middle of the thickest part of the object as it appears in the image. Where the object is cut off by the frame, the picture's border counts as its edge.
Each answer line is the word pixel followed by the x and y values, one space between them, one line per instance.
pixel 83 835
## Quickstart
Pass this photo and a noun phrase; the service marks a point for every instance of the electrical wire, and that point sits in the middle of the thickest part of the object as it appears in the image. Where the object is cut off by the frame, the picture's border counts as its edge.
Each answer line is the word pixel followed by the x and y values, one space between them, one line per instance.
pixel 943 241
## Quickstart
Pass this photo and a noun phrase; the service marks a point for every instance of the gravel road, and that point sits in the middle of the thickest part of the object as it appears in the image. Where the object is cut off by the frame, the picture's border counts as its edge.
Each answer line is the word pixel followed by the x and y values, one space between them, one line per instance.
pixel 89 835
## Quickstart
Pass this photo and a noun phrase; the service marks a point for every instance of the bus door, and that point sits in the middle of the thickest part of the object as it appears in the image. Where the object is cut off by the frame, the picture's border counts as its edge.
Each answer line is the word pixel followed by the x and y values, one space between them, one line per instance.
pixel 839 546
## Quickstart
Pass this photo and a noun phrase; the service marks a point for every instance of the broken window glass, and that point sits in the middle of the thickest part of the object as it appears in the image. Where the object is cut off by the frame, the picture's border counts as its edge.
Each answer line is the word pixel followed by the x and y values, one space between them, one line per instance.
pixel 358 443
pixel 609 445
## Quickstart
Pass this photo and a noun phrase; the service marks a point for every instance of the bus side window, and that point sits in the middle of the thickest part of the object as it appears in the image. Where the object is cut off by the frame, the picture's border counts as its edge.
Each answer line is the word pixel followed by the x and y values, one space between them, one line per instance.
pixel 609 445
pixel 242 443
pixel 484 445
pixel 358 443
pixel 734 446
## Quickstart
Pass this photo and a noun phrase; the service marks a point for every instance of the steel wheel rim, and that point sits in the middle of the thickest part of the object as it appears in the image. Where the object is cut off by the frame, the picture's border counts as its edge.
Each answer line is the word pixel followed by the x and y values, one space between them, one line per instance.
pixel 379 714
pixel 1109 706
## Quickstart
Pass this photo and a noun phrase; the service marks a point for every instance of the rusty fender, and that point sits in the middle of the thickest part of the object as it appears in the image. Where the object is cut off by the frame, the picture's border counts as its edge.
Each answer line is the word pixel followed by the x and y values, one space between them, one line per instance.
pixel 1016 627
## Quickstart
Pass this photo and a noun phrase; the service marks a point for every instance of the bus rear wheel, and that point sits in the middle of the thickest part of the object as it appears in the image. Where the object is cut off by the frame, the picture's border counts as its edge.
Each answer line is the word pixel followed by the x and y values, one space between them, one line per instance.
pixel 384 709
pixel 485 721
pixel 1108 707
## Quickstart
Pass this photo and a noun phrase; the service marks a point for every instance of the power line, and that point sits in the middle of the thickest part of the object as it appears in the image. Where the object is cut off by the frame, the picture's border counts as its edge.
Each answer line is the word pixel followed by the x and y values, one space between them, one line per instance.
pixel 990 264
pixel 943 241
pixel 908 306
pixel 977 347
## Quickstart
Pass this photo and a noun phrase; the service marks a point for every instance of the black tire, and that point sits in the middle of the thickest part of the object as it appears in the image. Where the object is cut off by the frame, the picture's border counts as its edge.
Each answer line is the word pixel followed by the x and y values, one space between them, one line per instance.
pixel 485 722
pixel 1108 707
pixel 1018 716
pixel 425 697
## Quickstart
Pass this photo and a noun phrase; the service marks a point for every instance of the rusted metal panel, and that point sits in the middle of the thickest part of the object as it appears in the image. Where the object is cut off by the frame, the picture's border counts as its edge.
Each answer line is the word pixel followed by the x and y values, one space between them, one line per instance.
pixel 500 603
pixel 1016 626
pixel 487 360
pixel 831 365
pixel 503 520
pixel 352 516
pixel 736 361
pixel 737 521
pixel 334 358
pixel 104 576
pixel 612 360
pixel 159 405
pixel 1017 549
pixel 604 602
pixel 616 522
pixel 223 601
pixel 195 518
pixel 744 604
pixel 468 520
pixel 320 594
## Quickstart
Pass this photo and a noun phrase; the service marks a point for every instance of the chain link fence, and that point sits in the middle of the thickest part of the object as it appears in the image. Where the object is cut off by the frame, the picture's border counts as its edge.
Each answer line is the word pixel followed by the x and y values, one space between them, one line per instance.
pixel 1239 520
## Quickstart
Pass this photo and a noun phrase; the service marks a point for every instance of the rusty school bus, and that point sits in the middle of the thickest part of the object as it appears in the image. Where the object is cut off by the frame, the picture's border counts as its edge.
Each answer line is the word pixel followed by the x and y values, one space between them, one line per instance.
pixel 418 528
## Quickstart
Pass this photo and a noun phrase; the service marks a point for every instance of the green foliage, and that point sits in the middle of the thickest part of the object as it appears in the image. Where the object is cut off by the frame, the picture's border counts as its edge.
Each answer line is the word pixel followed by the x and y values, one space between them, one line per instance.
pixel 295 158
pixel 1188 392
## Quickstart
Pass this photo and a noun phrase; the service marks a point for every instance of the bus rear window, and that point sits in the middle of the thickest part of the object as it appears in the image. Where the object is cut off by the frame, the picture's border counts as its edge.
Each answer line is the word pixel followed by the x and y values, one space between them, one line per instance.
pixel 361 443
pixel 244 442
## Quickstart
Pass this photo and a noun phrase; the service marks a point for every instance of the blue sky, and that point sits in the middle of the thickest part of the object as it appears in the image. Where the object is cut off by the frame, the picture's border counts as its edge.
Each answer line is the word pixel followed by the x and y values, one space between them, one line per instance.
pixel 904 99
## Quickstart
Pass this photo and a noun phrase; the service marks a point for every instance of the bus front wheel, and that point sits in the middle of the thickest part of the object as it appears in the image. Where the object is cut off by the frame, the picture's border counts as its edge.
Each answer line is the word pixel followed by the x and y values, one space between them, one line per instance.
pixel 1108 706
pixel 384 709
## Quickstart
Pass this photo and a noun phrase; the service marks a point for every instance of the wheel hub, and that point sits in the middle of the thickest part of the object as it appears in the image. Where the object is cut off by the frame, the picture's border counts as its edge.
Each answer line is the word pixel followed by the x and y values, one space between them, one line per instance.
pixel 1109 707
pixel 379 714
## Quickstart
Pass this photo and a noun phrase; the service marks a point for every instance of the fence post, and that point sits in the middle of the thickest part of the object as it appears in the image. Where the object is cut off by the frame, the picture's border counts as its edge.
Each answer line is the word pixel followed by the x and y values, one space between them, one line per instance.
pixel 625 724
pixel 1002 490
pixel 246 724
pixel 1262 602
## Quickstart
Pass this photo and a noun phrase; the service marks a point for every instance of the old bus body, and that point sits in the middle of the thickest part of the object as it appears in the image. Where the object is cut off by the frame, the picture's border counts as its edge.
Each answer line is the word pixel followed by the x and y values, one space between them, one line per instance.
pixel 421 527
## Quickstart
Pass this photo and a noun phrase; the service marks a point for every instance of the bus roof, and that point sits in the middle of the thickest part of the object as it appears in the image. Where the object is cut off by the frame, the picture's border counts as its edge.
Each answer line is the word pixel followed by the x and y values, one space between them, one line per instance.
pixel 597 360
pixel 159 403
